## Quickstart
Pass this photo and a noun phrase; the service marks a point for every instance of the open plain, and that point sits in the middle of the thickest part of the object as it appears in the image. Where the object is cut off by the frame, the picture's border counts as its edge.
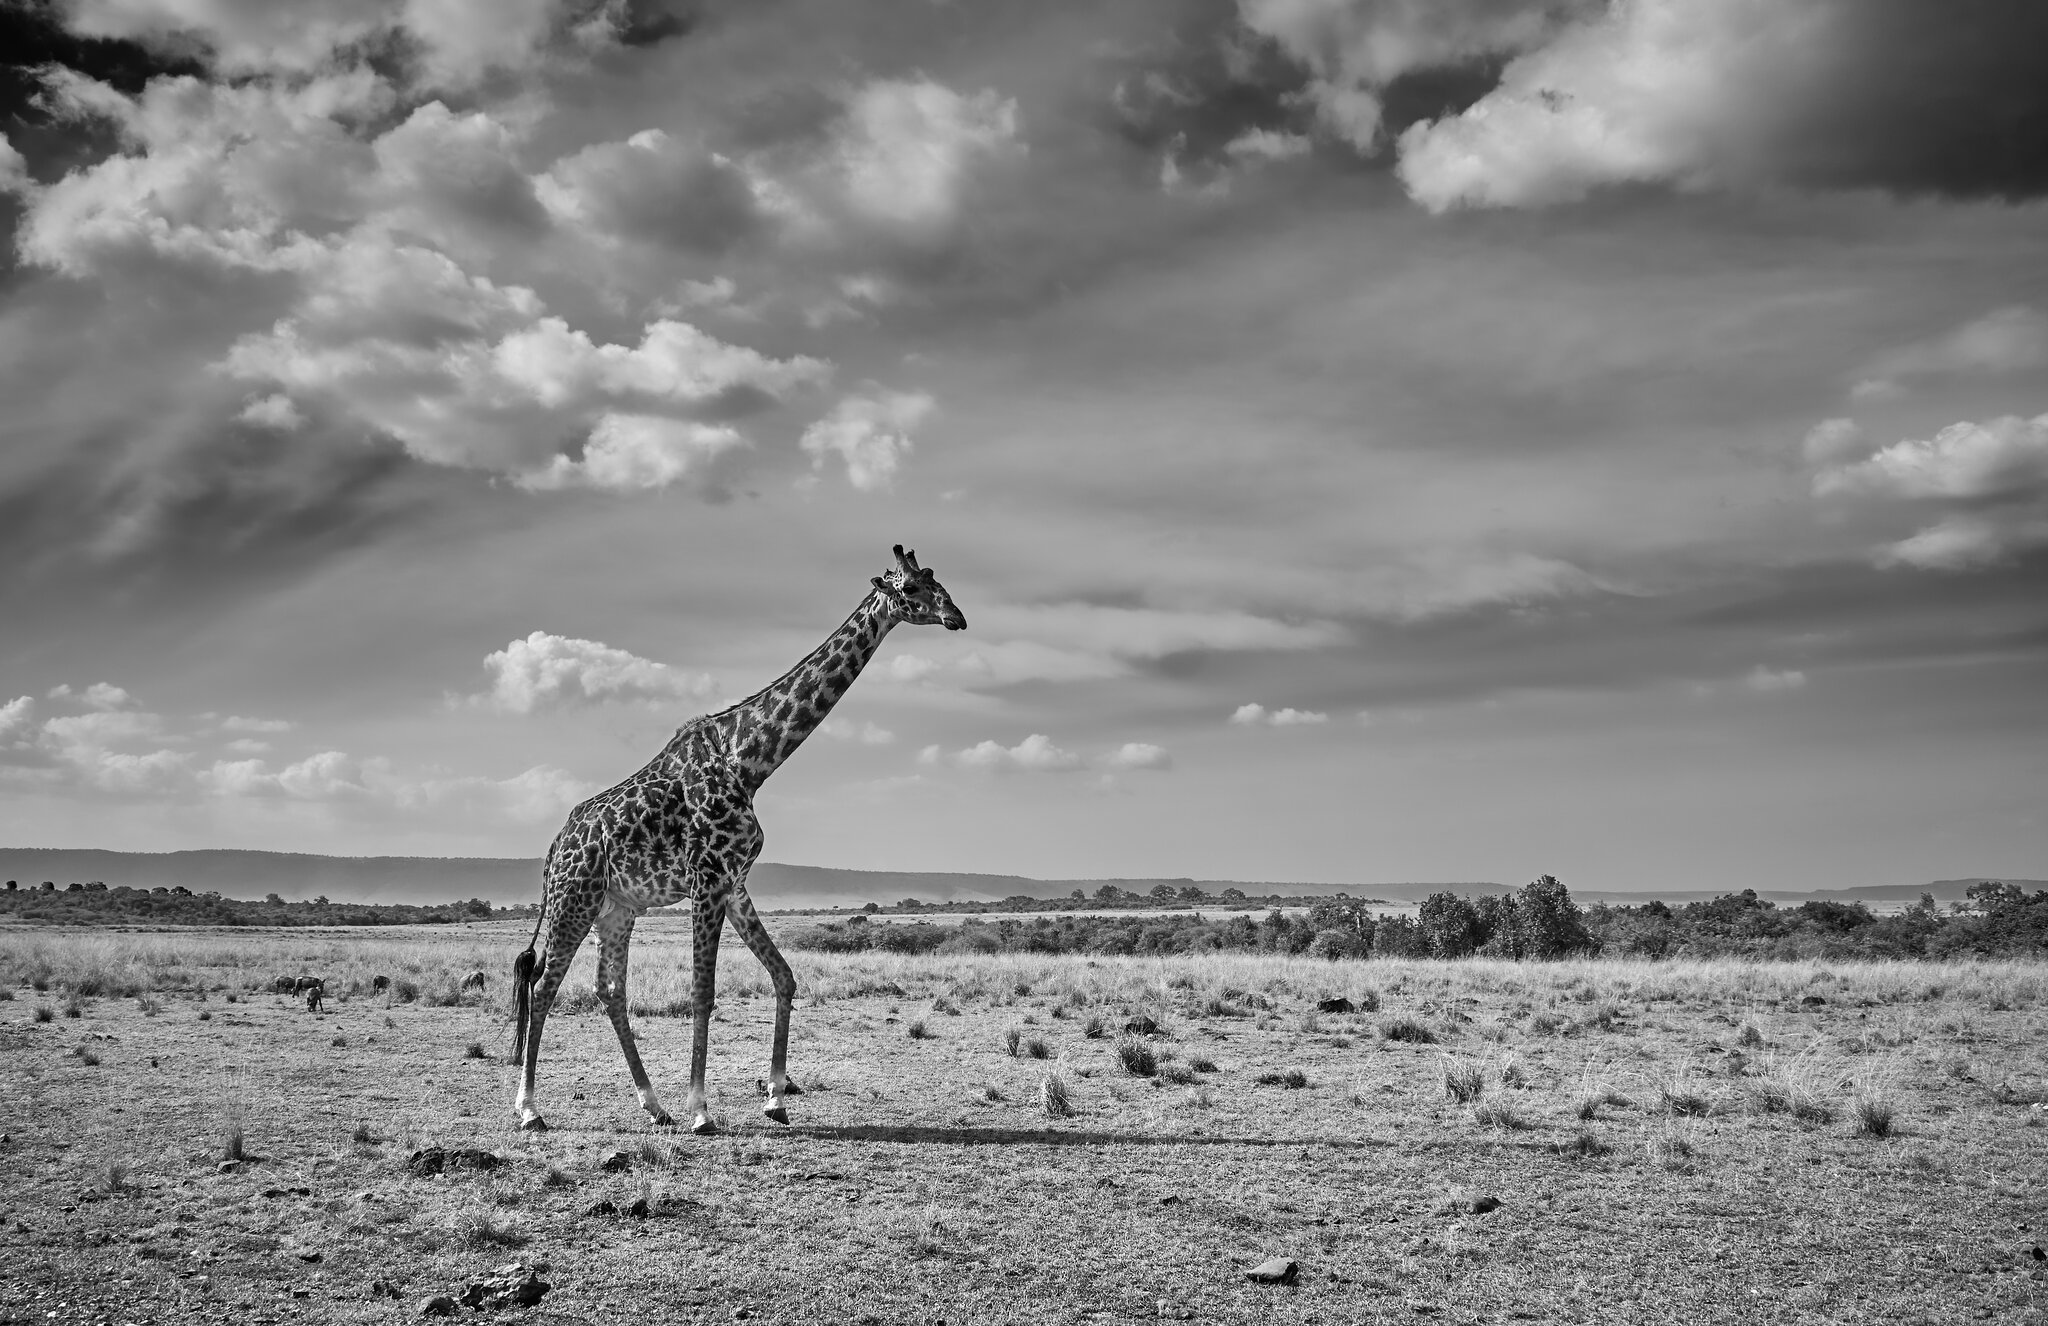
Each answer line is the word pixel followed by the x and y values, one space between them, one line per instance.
pixel 1475 1141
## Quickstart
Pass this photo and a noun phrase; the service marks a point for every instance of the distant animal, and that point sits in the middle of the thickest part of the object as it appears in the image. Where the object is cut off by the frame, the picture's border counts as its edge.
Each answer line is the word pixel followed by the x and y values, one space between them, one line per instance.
pixel 314 995
pixel 285 985
pixel 1338 1005
pixel 684 828
pixel 380 983
pixel 301 984
pixel 474 981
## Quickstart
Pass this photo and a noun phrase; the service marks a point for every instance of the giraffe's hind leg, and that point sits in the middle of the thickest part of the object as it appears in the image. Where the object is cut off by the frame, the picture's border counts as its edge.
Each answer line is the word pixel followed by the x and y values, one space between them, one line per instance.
pixel 568 922
pixel 614 939
pixel 748 922
pixel 709 922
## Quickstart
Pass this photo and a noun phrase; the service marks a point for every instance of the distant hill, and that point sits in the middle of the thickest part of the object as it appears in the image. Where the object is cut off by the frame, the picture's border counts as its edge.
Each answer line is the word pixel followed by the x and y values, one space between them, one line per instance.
pixel 514 880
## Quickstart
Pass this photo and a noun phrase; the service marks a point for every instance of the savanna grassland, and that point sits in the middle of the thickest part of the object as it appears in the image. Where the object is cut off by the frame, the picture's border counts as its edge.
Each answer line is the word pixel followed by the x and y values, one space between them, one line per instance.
pixel 1599 1141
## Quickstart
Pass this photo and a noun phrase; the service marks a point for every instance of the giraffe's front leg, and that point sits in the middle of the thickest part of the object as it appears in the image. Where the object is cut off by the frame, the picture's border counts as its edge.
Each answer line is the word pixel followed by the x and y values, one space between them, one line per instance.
pixel 748 922
pixel 710 921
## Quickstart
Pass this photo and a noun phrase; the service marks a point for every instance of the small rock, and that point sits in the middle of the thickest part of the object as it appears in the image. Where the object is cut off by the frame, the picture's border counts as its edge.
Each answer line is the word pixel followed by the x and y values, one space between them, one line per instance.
pixel 309 1257
pixel 1812 1001
pixel 440 1305
pixel 1481 1205
pixel 228 1167
pixel 511 1285
pixel 1171 1199
pixel 615 1162
pixel 741 1314
pixel 1424 1309
pixel 302 1293
pixel 384 1289
pixel 1338 1005
pixel 1276 1271
pixel 1142 1025
pixel 2037 1253
pixel 638 1208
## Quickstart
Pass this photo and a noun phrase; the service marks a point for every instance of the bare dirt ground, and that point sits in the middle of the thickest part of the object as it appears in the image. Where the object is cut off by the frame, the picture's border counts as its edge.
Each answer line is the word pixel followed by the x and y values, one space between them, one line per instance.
pixel 1725 1167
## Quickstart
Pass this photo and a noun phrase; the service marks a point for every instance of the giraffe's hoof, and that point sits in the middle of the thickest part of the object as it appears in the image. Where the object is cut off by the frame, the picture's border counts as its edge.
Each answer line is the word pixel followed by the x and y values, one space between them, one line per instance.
pixel 533 1124
pixel 704 1128
pixel 775 1114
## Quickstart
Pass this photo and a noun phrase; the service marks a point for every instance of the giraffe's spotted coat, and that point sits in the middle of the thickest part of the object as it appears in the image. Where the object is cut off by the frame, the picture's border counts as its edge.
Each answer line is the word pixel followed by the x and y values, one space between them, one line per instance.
pixel 683 827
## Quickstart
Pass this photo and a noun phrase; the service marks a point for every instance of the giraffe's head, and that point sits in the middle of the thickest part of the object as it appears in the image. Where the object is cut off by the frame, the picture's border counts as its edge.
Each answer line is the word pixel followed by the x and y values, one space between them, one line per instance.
pixel 915 596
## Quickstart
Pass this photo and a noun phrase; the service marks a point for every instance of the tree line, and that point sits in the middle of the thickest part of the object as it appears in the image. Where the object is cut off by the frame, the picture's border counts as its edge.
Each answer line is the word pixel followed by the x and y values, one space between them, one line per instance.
pixel 94 903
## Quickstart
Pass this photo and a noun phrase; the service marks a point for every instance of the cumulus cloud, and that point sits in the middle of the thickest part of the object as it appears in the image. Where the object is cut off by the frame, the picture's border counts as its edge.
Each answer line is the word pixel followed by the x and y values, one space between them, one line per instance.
pixel 237 723
pixel 870 432
pixel 1136 755
pixel 867 734
pixel 2006 340
pixel 657 189
pixel 1257 715
pixel 1592 93
pixel 546 671
pixel 1761 678
pixel 904 150
pixel 1035 754
pixel 633 452
pixel 1833 440
pixel 274 411
pixel 14 176
pixel 337 779
pixel 1983 487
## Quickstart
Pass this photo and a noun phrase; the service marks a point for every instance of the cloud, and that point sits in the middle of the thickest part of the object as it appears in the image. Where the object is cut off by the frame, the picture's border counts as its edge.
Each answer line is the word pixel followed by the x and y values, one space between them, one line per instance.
pixel 237 723
pixel 1818 93
pixel 14 177
pixel 99 695
pixel 2002 458
pixel 1761 678
pixel 1255 715
pixel 1035 754
pixel 1136 755
pixel 904 150
pixel 336 779
pixel 546 671
pixel 17 722
pixel 274 411
pixel 1833 440
pixel 634 452
pixel 867 734
pixel 870 431
pixel 1977 491
pixel 657 189
pixel 2006 340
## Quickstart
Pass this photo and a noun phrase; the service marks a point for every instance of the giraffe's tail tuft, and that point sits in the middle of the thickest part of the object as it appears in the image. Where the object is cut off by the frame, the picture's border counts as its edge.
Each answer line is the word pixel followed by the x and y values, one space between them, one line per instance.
pixel 525 970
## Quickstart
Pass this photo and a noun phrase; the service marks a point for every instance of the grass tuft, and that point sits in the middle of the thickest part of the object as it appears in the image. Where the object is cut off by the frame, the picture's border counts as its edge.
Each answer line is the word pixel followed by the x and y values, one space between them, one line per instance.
pixel 1293 1079
pixel 1012 1038
pixel 475 1050
pixel 44 1013
pixel 1038 1047
pixel 1499 1114
pixel 1055 1096
pixel 1137 1056
pixel 1408 1030
pixel 917 1030
pixel 1463 1080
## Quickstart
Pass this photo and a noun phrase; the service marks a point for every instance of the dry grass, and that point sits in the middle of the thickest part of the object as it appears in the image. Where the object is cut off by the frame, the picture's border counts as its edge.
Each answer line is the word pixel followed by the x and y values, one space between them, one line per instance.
pixel 995 1173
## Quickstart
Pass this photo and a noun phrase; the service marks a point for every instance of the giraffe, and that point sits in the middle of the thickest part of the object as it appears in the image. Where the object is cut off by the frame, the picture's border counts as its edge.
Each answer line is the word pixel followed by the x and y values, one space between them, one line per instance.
pixel 684 828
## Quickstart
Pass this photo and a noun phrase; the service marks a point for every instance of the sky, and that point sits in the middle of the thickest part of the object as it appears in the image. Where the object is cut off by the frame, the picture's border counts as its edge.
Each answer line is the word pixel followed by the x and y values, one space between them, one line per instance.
pixel 1371 440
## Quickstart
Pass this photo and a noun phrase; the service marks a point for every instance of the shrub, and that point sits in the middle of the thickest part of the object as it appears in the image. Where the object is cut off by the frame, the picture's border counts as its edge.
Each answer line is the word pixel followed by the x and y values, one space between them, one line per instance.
pixel 1408 1030
pixel 1137 1056
pixel 1463 1081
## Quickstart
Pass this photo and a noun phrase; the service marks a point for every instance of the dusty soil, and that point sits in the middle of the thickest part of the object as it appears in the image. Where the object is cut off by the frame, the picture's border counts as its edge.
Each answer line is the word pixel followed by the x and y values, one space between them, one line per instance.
pixel 1723 1179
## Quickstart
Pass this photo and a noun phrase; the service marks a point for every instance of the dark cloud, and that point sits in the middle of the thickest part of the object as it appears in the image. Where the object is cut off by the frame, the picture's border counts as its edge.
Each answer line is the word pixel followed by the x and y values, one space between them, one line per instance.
pixel 1945 99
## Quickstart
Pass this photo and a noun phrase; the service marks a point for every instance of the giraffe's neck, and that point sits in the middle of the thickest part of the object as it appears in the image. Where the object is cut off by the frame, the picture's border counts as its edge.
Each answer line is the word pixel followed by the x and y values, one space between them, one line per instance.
pixel 769 726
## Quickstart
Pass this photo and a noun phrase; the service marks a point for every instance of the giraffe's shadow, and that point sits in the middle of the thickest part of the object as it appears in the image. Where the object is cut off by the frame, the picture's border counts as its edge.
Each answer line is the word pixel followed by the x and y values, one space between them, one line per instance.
pixel 970 1136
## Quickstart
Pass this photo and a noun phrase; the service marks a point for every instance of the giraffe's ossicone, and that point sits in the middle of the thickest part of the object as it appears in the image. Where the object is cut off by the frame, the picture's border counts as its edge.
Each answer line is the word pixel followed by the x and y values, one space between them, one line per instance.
pixel 684 828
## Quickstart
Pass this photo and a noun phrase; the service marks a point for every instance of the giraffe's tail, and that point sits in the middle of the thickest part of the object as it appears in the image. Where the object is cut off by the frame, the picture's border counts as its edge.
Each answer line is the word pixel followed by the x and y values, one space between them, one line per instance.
pixel 525 971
